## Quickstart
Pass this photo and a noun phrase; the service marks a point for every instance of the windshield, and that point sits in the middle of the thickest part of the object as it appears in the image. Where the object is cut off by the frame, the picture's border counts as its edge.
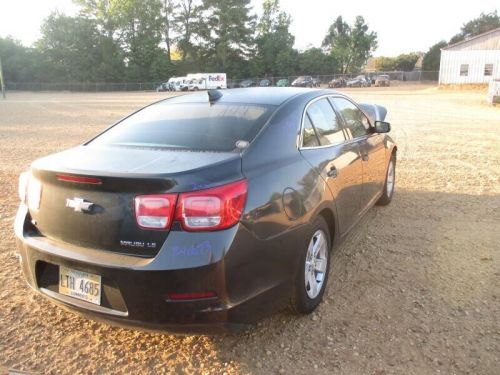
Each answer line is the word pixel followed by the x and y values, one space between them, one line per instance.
pixel 192 126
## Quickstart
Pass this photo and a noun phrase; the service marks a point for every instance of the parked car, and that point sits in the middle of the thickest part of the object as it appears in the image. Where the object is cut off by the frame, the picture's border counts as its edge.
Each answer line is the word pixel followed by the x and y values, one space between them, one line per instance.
pixel 382 80
pixel 265 83
pixel 371 77
pixel 232 84
pixel 180 84
pixel 283 83
pixel 247 83
pixel 163 87
pixel 132 229
pixel 303 81
pixel 359 81
pixel 337 82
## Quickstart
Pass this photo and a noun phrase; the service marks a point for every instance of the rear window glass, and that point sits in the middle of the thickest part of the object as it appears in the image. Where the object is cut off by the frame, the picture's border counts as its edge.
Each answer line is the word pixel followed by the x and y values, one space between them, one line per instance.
pixel 195 126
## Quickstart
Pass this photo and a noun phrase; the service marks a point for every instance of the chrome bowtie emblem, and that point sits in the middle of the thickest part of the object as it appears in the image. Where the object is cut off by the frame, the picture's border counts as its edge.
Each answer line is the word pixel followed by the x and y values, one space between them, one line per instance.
pixel 79 205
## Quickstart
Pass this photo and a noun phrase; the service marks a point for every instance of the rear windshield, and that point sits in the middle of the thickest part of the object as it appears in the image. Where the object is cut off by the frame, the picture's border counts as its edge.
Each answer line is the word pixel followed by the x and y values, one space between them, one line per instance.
pixel 195 126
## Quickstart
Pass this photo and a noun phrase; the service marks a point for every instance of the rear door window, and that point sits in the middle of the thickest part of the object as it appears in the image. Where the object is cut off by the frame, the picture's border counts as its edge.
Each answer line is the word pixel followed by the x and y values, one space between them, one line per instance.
pixel 309 138
pixel 192 126
pixel 324 120
pixel 357 124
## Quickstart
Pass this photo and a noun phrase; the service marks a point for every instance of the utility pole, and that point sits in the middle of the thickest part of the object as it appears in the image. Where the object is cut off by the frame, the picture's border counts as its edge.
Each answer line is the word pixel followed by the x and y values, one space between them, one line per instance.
pixel 2 84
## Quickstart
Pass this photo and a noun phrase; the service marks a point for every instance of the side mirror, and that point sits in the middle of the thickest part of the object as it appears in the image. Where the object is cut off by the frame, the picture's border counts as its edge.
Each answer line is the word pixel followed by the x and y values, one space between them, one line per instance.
pixel 382 127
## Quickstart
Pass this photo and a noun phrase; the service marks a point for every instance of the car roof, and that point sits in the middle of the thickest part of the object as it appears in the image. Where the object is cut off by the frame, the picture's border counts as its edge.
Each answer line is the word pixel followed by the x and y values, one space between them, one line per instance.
pixel 252 95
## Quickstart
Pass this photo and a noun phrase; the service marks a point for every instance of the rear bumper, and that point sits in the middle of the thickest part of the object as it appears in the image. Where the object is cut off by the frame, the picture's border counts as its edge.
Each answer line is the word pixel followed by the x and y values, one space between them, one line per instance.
pixel 135 290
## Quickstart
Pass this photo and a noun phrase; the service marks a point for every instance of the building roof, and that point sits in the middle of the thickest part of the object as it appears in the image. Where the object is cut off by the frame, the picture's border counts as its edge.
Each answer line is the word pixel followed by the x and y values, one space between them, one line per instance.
pixel 489 40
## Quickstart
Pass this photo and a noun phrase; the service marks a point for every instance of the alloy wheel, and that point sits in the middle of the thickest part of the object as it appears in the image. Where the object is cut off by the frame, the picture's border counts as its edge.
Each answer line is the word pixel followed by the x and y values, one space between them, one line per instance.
pixel 316 264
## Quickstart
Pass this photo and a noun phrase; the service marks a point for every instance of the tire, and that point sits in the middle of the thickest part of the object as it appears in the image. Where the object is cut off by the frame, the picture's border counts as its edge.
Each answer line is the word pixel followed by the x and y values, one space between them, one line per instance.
pixel 305 297
pixel 388 191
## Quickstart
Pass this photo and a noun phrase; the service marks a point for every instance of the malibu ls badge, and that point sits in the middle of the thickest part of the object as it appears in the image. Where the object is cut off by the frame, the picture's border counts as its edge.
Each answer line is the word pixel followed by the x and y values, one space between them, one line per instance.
pixel 79 205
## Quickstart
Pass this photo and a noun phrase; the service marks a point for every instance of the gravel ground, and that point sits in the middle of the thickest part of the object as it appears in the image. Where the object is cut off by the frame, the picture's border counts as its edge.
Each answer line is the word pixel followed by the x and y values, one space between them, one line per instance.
pixel 415 288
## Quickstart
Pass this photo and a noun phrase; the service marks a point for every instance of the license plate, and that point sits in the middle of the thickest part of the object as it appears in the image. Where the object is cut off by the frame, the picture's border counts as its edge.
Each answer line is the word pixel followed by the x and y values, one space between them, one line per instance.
pixel 78 284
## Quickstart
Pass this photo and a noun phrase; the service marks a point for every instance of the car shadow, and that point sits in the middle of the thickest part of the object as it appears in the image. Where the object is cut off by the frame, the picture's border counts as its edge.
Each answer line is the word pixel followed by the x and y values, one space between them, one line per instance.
pixel 426 255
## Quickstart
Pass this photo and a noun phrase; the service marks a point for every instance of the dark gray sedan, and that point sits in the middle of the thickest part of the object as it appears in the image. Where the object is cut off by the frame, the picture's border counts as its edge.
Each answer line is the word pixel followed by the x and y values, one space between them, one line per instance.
pixel 204 212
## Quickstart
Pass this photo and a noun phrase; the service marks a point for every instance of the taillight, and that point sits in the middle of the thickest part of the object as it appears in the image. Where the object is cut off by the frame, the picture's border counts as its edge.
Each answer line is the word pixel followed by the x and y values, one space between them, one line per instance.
pixel 212 209
pixel 30 190
pixel 155 211
pixel 23 186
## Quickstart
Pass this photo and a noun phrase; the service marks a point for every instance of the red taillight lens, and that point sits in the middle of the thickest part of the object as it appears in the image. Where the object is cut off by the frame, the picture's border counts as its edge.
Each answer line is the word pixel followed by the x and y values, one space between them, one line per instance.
pixel 23 186
pixel 191 296
pixel 212 209
pixel 30 190
pixel 155 211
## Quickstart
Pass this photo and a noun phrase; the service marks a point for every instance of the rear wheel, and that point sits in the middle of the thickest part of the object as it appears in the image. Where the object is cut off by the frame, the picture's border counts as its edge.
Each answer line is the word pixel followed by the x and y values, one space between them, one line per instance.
pixel 390 179
pixel 312 275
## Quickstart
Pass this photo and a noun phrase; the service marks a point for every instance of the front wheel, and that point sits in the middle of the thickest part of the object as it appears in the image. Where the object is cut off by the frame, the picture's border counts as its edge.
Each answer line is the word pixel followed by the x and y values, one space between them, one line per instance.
pixel 312 274
pixel 390 179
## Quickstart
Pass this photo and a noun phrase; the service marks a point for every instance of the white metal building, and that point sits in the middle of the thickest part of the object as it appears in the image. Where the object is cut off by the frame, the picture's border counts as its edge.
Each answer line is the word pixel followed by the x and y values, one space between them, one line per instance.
pixel 475 60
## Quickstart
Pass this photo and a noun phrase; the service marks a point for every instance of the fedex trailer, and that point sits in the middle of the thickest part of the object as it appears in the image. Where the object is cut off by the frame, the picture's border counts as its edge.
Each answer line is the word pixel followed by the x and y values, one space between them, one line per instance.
pixel 207 81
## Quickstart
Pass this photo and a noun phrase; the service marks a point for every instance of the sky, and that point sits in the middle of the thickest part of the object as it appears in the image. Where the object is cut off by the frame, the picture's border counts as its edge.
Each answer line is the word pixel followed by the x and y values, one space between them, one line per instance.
pixel 402 26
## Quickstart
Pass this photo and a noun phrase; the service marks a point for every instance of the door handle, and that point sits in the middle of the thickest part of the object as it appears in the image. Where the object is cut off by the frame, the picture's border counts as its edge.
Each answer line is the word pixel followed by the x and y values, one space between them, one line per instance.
pixel 332 172
pixel 364 157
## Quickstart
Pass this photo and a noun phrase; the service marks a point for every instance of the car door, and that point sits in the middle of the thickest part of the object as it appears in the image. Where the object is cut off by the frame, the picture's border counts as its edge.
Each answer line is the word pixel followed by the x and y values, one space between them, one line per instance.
pixel 371 146
pixel 324 146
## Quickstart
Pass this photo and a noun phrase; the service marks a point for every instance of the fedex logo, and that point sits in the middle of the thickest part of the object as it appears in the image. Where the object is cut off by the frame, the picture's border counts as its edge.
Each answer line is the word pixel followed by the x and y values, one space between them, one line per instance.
pixel 216 78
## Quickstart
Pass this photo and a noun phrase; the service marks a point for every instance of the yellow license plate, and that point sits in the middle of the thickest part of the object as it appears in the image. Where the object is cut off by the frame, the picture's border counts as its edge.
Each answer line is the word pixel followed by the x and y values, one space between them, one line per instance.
pixel 78 284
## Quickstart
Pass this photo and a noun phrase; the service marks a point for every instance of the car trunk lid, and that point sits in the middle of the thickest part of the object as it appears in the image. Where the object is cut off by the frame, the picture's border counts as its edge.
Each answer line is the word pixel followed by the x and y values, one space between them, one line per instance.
pixel 88 192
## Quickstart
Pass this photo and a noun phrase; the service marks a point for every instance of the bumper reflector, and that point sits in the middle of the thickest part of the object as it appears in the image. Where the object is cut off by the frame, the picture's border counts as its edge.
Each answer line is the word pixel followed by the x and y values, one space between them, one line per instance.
pixel 191 296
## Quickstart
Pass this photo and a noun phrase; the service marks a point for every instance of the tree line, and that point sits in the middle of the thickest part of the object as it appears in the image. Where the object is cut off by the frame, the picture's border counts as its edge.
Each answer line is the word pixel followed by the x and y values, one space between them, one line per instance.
pixel 151 40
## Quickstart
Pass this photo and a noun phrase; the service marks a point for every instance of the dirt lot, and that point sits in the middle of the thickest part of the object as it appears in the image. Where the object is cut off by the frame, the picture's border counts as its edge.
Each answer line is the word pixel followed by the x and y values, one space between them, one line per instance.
pixel 415 289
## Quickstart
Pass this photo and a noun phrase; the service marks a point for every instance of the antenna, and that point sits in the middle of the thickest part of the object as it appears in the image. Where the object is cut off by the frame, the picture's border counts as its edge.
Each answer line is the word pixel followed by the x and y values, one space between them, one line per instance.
pixel 214 95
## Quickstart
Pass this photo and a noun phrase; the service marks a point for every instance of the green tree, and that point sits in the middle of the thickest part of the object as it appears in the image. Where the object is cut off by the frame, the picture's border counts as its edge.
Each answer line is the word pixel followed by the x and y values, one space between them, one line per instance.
pixel 406 61
pixel 314 61
pixel 385 64
pixel 228 34
pixel 432 59
pixel 287 63
pixel 350 45
pixel 485 22
pixel 169 10
pixel 71 49
pixel 139 26
pixel 273 39
pixel 187 23
pixel 104 14
pixel 18 62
